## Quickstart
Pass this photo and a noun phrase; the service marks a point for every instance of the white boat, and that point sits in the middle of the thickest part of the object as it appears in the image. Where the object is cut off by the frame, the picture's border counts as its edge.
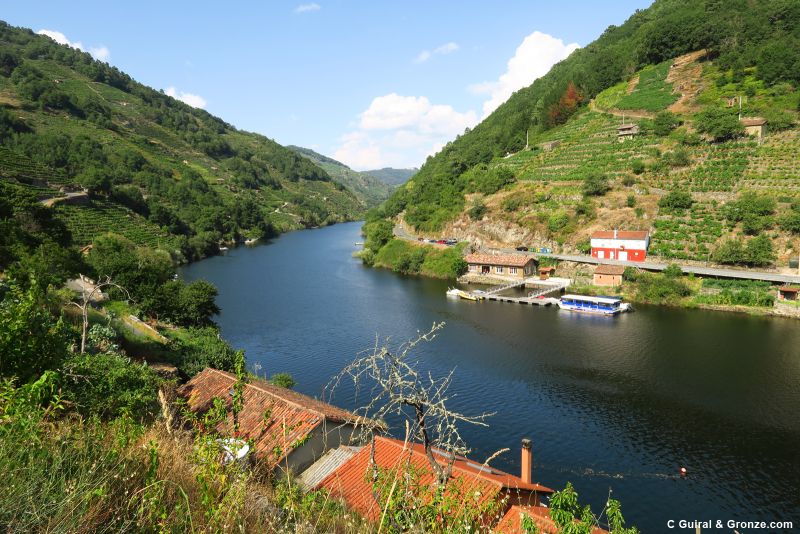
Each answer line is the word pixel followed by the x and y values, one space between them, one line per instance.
pixel 593 305
pixel 459 293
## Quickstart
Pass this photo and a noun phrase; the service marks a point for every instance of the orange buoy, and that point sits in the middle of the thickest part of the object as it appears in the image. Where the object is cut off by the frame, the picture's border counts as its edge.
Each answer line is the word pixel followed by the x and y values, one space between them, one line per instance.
pixel 683 471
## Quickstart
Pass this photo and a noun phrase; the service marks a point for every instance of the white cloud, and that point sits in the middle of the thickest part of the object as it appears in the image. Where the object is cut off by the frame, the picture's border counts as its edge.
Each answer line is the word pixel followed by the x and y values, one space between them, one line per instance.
pixel 447 48
pixel 401 131
pixel 100 53
pixel 196 101
pixel 307 8
pixel 533 58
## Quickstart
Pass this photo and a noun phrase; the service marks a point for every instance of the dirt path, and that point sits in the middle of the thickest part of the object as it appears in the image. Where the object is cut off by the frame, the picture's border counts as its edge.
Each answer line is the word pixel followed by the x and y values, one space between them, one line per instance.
pixel 686 76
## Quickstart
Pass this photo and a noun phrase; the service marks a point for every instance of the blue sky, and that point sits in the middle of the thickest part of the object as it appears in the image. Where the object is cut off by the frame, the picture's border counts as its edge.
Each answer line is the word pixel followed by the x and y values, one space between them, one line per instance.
pixel 371 83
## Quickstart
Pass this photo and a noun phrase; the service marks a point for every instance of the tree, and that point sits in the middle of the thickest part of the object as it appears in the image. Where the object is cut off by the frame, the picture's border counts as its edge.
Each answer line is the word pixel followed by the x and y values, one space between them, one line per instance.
pixel 197 302
pixel 720 124
pixel 595 184
pixel 676 200
pixel 397 387
pixel 31 339
pixel 90 292
pixel 664 123
pixel 759 251
pixel 378 233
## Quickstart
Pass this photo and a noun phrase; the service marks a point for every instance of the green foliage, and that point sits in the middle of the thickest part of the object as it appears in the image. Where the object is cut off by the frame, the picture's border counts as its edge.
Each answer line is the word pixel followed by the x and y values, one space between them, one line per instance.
pixel 664 123
pixel 557 221
pixel 595 185
pixel 777 120
pixel 672 271
pixel 377 233
pixel 630 201
pixel 677 158
pixel 758 251
pixel 630 274
pixel 407 258
pixel 512 203
pixel 652 93
pixel 637 166
pixel 724 292
pixel 284 380
pixel 572 517
pixel 109 385
pixel 661 288
pixel 31 339
pixel 477 211
pixel 199 348
pixel 676 200
pixel 720 124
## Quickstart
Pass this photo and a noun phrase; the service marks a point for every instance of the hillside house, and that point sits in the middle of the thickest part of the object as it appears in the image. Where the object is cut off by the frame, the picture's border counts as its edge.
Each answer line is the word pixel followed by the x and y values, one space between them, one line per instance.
pixel 754 127
pixel 546 272
pixel 608 275
pixel 344 477
pixel 627 131
pixel 620 245
pixel 288 430
pixel 550 145
pixel 505 265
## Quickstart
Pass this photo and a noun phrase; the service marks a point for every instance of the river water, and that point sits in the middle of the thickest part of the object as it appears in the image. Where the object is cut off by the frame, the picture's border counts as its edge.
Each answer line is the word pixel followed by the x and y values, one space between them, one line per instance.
pixel 611 404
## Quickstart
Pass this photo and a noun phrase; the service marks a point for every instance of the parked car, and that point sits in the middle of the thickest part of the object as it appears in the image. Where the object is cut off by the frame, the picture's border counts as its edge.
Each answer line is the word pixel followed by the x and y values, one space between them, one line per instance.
pixel 452 241
pixel 442 242
pixel 522 248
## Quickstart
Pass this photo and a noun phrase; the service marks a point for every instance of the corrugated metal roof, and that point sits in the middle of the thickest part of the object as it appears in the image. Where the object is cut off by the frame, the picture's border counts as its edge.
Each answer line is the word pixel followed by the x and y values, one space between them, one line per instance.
pixel 509 260
pixel 511 523
pixel 278 420
pixel 351 480
pixel 327 464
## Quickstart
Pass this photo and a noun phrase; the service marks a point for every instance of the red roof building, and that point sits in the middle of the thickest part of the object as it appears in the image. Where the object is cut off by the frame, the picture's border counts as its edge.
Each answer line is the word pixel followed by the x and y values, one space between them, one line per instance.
pixel 514 265
pixel 477 483
pixel 620 245
pixel 511 523
pixel 289 430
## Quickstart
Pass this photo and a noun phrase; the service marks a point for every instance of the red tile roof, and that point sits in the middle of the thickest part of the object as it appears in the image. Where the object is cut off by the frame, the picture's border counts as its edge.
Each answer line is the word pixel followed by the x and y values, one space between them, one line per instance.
pixel 546 269
pixel 506 260
pixel 789 289
pixel 350 482
pixel 621 234
pixel 512 521
pixel 610 269
pixel 275 418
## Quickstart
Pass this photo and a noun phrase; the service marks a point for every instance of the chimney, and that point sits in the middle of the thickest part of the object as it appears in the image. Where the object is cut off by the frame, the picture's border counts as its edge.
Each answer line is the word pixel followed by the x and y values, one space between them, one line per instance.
pixel 527 461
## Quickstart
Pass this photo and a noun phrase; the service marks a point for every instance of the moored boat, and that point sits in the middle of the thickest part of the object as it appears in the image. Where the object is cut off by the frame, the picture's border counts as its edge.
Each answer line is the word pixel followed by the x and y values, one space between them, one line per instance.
pixel 454 292
pixel 593 305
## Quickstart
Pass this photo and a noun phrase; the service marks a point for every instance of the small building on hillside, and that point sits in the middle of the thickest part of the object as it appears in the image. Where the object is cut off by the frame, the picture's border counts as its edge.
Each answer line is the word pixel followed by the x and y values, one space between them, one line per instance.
pixel 550 145
pixel 755 127
pixel 608 275
pixel 506 265
pixel 473 484
pixel 788 292
pixel 620 245
pixel 287 429
pixel 627 131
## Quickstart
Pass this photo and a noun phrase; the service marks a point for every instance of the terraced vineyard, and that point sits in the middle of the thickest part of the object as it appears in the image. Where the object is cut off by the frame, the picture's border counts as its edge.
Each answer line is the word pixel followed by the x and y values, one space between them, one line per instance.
pixel 88 221
pixel 688 237
pixel 17 167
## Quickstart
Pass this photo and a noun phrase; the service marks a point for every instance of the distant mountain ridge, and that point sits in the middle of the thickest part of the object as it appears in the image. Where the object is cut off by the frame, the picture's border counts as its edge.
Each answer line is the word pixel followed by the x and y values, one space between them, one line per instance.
pixel 371 187
pixel 158 171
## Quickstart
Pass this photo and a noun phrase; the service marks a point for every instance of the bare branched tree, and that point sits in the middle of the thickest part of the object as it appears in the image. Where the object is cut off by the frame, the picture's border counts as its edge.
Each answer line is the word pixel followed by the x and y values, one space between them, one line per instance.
pixel 87 296
pixel 397 388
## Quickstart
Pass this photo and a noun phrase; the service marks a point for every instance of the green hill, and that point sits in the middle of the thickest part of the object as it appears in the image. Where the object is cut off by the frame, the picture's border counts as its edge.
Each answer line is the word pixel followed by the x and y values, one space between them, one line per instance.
pixel 370 190
pixel 391 176
pixel 691 175
pixel 146 158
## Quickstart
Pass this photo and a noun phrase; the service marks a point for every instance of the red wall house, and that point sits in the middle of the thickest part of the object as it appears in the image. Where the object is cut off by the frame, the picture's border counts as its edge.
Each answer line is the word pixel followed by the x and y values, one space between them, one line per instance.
pixel 620 245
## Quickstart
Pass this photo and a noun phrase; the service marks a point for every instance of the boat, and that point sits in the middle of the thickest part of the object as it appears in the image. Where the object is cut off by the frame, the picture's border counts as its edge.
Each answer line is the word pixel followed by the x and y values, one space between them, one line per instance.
pixel 593 305
pixel 454 292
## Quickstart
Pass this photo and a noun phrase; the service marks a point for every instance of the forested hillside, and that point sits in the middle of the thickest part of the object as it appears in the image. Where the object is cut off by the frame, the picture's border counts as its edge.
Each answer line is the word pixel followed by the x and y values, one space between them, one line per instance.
pixel 392 176
pixel 370 190
pixel 679 71
pixel 157 170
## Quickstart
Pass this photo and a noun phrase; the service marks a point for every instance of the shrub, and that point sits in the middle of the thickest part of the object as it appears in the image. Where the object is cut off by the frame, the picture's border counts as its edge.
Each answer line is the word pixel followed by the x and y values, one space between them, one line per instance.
pixel 284 380
pixel 678 158
pixel 630 201
pixel 660 288
pixel 637 166
pixel 201 348
pixel 477 211
pixel 512 203
pixel 584 247
pixel 720 124
pixel 377 234
pixel 557 221
pixel 631 274
pixel 109 385
pixel 664 123
pixel 673 271
pixel 676 200
pixel 595 185
pixel 778 120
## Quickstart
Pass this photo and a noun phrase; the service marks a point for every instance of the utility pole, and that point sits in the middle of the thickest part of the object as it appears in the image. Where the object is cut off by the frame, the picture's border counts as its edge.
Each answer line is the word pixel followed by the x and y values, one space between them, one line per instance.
pixel 740 107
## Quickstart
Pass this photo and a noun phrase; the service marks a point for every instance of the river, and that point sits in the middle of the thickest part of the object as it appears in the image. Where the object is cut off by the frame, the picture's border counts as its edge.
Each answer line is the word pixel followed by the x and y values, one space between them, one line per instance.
pixel 611 404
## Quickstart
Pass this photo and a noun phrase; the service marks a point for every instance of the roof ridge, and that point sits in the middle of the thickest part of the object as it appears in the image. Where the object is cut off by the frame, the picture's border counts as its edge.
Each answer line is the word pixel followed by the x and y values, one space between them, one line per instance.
pixel 275 394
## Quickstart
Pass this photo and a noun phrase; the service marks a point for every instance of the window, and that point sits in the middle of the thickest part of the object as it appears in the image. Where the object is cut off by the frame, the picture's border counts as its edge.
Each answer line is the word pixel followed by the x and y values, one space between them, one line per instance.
pixel 473 268
pixel 512 270
pixel 498 269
